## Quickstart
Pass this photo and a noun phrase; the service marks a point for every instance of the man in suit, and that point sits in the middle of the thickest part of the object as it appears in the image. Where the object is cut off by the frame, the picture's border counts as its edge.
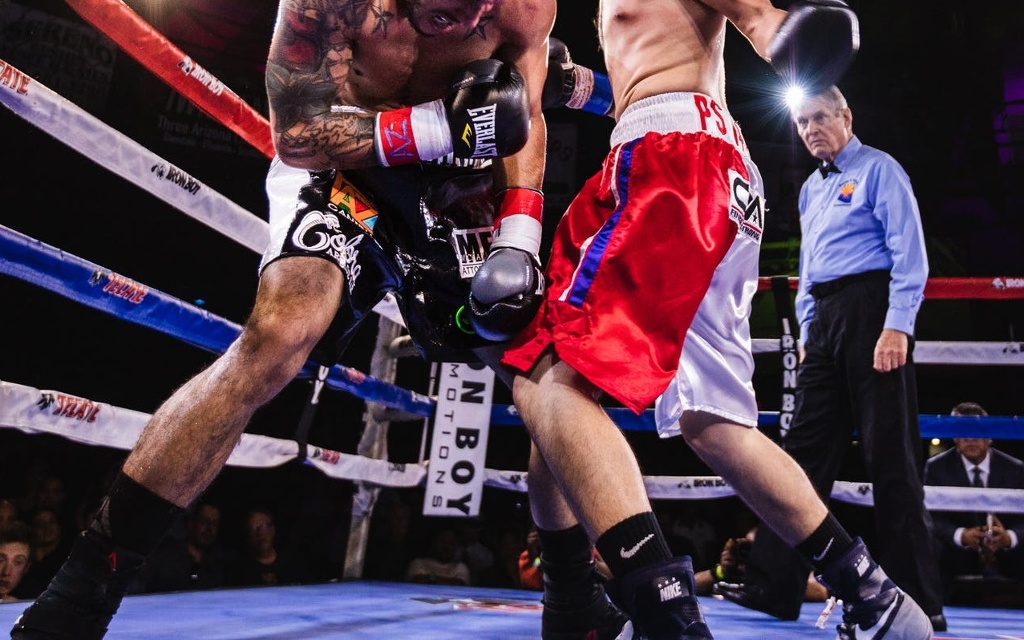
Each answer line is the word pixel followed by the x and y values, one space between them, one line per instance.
pixel 976 542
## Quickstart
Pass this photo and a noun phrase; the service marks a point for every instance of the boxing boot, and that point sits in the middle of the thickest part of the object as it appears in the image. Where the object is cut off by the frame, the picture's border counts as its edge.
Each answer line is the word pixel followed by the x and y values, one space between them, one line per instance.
pixel 85 594
pixel 575 604
pixel 660 601
pixel 873 606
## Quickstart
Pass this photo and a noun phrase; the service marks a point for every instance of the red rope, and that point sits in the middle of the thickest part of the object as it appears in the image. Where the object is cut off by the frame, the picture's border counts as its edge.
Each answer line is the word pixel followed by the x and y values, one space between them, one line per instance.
pixel 155 52
pixel 995 288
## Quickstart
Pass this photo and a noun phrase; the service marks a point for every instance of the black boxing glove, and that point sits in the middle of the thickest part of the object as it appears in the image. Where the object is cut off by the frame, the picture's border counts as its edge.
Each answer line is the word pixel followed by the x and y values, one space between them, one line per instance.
pixel 486 114
pixel 571 85
pixel 508 287
pixel 815 44
pixel 505 294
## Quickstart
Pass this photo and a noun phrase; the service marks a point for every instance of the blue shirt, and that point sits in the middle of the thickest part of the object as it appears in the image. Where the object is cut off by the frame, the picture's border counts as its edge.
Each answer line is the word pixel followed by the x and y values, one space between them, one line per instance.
pixel 861 219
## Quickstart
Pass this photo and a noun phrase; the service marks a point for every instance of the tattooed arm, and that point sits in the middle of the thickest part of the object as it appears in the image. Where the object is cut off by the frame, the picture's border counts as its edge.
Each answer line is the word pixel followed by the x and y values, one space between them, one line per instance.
pixel 310 56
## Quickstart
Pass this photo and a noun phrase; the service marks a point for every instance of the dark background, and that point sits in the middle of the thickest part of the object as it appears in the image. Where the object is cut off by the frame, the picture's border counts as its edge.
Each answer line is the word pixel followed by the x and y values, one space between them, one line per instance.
pixel 938 84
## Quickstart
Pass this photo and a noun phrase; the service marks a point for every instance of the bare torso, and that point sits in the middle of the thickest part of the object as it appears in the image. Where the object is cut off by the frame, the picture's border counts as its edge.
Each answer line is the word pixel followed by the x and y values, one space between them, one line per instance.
pixel 659 46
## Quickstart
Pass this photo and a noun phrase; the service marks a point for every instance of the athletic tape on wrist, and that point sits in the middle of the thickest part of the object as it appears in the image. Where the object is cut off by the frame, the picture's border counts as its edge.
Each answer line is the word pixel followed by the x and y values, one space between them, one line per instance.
pixel 411 134
pixel 518 223
pixel 591 92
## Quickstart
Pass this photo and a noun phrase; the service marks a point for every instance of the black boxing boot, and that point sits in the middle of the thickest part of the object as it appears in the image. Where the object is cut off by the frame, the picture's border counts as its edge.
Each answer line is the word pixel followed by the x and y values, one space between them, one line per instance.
pixel 575 604
pixel 105 559
pixel 85 594
pixel 660 601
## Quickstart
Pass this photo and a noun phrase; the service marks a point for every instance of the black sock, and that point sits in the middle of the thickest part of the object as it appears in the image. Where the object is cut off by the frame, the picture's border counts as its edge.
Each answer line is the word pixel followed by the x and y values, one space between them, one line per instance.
pixel 566 546
pixel 567 562
pixel 134 517
pixel 633 543
pixel 829 541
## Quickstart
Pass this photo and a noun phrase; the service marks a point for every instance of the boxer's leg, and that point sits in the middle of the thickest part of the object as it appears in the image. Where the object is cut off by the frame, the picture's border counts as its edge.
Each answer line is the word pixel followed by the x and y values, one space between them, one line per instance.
pixel 575 604
pixel 592 462
pixel 184 446
pixel 778 491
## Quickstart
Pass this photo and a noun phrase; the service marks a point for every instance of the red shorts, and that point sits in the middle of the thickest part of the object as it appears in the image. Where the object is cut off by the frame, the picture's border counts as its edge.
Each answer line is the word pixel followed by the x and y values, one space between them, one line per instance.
pixel 631 262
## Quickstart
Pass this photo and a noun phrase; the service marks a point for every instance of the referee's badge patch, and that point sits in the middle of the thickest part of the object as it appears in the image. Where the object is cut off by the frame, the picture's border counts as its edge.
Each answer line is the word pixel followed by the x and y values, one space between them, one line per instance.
pixel 846 191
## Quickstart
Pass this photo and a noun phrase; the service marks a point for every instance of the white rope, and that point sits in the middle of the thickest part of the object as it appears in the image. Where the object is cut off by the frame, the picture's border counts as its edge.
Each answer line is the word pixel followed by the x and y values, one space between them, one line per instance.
pixel 95 423
pixel 124 157
pixel 941 352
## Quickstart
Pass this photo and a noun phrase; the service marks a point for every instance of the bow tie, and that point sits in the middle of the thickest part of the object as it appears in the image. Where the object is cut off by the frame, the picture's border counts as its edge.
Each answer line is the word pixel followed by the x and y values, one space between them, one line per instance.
pixel 826 168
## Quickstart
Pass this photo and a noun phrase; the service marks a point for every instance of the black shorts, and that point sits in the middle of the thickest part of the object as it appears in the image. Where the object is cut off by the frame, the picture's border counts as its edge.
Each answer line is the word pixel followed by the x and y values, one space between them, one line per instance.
pixel 420 232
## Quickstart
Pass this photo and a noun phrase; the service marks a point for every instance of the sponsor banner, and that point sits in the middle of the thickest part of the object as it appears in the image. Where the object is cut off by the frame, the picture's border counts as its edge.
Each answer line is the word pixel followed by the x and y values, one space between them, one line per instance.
pixel 96 423
pixel 76 61
pixel 458 448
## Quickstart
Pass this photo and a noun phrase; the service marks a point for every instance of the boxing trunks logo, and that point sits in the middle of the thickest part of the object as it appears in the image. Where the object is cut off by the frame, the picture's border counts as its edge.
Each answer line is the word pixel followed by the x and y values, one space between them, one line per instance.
pixel 320 232
pixel 746 207
pixel 471 247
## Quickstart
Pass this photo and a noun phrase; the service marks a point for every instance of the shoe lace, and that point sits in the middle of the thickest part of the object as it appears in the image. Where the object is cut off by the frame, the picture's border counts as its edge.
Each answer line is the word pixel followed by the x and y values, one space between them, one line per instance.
pixel 823 617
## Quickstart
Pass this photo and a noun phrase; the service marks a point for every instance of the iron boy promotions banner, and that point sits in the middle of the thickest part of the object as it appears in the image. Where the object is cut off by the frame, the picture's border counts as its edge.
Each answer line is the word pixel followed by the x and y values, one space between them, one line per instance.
pixel 458 448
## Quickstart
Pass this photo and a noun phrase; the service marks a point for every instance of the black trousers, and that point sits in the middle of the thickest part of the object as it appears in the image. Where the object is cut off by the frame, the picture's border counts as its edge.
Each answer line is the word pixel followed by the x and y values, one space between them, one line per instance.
pixel 838 392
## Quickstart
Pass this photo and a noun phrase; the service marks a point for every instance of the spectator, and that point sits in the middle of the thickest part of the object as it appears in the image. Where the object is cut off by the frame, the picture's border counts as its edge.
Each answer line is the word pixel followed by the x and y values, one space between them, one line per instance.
pixel 506 572
pixel 530 574
pixel 477 555
pixel 439 565
pixel 389 550
pixel 972 543
pixel 8 512
pixel 262 563
pixel 15 558
pixel 196 562
pixel 48 552
pixel 691 524
pixel 731 568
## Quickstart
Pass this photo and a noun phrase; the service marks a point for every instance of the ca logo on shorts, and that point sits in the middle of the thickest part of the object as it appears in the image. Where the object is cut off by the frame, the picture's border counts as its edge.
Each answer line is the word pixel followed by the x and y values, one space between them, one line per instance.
pixel 746 207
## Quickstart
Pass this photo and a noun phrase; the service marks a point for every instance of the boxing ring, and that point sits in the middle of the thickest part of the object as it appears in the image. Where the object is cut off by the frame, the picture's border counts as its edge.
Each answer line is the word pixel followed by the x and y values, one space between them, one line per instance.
pixel 352 607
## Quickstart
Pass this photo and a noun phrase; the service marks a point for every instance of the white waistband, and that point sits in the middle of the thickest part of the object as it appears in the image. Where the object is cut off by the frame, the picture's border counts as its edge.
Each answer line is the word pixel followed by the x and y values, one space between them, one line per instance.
pixel 685 112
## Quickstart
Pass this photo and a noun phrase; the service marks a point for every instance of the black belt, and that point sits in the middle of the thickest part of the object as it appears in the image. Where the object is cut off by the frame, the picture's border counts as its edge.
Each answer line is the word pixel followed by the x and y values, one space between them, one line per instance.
pixel 823 289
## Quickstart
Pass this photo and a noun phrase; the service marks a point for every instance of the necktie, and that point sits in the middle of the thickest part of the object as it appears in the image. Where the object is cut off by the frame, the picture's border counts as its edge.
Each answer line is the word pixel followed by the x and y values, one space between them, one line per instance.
pixel 826 168
pixel 976 482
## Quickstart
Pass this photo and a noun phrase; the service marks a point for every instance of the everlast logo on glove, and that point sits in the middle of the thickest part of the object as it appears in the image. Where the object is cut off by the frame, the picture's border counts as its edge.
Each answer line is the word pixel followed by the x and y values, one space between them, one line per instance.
pixel 479 133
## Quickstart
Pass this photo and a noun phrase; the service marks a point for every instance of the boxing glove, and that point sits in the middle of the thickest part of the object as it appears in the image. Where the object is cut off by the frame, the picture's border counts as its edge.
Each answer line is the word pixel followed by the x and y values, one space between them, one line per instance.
pixel 507 288
pixel 505 294
pixel 815 44
pixel 571 85
pixel 486 114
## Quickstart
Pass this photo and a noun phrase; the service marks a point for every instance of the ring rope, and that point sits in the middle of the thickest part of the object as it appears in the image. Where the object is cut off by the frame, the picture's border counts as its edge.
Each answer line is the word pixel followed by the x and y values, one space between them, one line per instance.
pixel 88 422
pixel 152 50
pixel 995 288
pixel 102 289
pixel 931 426
pixel 940 352
pixel 124 157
